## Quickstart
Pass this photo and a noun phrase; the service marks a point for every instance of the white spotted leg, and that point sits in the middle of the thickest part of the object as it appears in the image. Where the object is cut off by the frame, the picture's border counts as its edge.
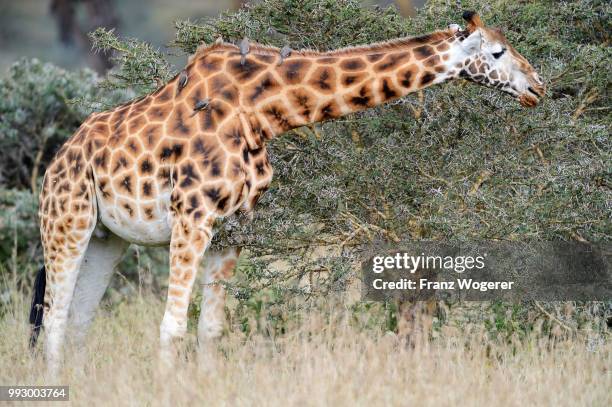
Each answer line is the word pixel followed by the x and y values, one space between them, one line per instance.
pixel 63 264
pixel 188 243
pixel 218 267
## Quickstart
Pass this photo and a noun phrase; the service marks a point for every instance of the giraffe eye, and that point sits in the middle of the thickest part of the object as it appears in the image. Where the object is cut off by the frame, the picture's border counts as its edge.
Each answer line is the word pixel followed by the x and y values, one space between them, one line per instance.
pixel 498 55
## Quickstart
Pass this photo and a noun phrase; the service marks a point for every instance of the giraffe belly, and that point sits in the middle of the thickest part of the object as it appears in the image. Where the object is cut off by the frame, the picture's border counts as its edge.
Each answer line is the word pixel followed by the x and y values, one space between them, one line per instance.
pixel 147 229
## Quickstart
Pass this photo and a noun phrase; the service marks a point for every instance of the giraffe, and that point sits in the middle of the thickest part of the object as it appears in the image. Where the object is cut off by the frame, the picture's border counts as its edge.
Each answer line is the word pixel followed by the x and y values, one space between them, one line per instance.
pixel 161 169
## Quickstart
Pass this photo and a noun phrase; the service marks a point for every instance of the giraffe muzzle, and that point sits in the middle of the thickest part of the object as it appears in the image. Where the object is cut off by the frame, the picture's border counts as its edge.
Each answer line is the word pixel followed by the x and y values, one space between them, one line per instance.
pixel 531 97
pixel 528 99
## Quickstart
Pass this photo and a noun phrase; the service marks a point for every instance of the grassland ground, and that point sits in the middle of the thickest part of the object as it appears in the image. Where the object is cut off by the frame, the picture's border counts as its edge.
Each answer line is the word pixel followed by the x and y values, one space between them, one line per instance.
pixel 325 358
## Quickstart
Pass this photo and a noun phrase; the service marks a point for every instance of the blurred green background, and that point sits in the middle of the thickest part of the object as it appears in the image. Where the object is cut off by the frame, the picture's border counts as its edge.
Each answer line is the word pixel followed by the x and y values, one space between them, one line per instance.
pixel 30 28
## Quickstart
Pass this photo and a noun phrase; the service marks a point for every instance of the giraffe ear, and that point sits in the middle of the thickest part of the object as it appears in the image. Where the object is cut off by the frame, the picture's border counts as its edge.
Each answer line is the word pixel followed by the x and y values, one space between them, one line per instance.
pixel 454 28
pixel 473 21
pixel 472 43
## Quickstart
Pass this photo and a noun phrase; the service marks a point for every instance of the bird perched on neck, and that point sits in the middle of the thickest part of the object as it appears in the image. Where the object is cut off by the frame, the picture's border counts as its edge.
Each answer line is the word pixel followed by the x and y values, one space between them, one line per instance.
pixel 285 52
pixel 182 81
pixel 244 50
pixel 200 105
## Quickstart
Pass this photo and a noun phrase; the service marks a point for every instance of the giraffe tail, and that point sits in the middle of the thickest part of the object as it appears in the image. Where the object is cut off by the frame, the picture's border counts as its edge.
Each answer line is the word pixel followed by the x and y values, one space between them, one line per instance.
pixel 36 311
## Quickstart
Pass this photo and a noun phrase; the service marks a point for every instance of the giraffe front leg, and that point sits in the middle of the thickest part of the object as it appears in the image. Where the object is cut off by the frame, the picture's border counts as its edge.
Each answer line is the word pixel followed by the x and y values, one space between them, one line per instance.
pixel 415 321
pixel 189 240
pixel 218 267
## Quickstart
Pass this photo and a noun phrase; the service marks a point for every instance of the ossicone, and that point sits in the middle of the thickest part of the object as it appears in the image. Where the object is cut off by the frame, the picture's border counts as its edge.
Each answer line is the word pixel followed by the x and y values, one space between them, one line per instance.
pixel 473 21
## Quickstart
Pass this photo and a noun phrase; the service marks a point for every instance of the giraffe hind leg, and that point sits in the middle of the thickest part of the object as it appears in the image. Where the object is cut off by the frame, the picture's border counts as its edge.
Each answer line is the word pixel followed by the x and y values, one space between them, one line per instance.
pixel 100 260
pixel 67 229
pixel 61 281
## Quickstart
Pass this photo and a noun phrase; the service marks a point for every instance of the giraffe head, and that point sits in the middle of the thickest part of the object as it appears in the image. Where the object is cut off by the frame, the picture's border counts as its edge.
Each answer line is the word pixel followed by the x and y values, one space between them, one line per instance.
pixel 484 56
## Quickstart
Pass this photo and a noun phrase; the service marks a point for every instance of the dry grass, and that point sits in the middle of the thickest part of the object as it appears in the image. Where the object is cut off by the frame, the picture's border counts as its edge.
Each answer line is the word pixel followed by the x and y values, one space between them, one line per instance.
pixel 325 360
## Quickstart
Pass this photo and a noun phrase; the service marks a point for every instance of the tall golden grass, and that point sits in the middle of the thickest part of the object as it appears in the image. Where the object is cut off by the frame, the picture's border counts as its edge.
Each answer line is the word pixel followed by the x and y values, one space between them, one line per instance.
pixel 325 359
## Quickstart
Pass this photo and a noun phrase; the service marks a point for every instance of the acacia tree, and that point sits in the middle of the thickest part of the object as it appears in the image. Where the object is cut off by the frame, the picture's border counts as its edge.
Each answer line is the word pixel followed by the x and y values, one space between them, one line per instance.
pixel 458 164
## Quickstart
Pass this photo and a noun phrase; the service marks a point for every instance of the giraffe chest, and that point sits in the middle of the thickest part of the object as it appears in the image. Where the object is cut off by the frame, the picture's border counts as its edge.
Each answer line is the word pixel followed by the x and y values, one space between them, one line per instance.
pixel 136 219
pixel 145 176
pixel 258 177
pixel 140 208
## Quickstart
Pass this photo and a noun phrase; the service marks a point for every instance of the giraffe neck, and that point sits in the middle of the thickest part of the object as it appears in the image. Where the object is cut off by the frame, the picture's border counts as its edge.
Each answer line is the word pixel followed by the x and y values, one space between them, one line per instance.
pixel 313 87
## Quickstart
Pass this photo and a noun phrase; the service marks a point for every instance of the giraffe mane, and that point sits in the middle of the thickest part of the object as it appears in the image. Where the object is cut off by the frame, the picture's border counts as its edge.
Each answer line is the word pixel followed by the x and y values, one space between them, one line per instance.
pixel 262 49
pixel 389 45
